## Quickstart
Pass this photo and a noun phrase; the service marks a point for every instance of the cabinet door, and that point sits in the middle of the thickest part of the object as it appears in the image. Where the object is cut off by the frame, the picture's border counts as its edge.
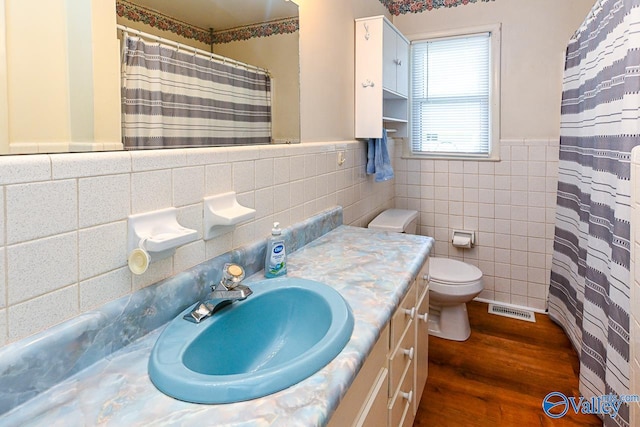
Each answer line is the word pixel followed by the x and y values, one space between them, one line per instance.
pixel 389 57
pixel 422 334
pixel 368 78
pixel 367 396
pixel 402 66
pixel 375 414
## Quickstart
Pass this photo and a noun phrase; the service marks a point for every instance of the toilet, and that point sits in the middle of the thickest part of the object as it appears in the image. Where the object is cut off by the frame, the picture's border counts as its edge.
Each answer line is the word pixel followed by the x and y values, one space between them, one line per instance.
pixel 452 283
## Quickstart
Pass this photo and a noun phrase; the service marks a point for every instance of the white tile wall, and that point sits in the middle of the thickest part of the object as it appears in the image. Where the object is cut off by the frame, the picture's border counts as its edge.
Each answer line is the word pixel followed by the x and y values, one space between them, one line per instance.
pixel 63 217
pixel 40 209
pixel 510 204
pixel 103 199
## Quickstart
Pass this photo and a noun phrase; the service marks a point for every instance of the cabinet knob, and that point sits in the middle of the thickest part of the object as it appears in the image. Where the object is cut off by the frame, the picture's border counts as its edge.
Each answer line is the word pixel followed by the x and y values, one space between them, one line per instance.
pixel 408 396
pixel 424 317
pixel 397 62
pixel 410 312
pixel 409 353
pixel 368 83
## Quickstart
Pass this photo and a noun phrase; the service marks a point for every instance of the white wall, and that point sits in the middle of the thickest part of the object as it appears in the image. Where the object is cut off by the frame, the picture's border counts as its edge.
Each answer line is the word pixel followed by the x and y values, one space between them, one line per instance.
pixel 60 94
pixel 511 203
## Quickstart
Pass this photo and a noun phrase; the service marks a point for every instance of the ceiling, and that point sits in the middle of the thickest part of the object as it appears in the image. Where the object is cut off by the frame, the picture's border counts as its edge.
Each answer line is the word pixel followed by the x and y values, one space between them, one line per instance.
pixel 222 14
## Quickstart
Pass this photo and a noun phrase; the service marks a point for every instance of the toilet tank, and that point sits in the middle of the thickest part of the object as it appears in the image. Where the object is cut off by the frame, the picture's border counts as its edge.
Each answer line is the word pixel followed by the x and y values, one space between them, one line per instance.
pixel 396 220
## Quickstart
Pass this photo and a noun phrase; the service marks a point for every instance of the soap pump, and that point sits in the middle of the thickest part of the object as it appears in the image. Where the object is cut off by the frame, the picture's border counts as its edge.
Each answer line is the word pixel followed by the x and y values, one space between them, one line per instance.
pixel 275 263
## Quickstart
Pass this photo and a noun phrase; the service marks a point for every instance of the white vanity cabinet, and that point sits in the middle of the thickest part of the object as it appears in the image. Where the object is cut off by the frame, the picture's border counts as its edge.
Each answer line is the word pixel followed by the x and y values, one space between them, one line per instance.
pixel 388 388
pixel 381 78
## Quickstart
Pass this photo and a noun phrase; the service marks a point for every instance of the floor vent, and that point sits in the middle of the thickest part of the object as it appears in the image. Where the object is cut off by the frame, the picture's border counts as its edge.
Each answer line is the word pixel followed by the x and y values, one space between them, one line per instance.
pixel 514 313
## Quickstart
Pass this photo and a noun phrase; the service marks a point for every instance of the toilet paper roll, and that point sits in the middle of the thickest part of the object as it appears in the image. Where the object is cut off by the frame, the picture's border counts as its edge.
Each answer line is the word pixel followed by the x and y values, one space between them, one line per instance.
pixel 462 241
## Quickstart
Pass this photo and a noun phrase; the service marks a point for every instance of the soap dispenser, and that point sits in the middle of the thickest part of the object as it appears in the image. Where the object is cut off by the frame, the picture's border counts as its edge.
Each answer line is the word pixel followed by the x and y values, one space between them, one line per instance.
pixel 275 263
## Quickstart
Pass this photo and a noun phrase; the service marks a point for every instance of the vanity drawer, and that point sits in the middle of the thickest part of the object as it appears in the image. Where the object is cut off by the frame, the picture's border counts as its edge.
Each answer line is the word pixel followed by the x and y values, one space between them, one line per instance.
pixel 400 361
pixel 401 320
pixel 401 404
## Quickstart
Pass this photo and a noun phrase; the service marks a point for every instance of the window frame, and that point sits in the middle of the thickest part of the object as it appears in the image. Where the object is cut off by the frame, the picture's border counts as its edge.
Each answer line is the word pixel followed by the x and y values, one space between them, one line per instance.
pixel 494 112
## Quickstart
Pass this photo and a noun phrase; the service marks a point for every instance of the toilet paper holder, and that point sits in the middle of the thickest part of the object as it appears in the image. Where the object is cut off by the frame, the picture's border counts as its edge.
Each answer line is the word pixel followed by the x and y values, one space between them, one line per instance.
pixel 463 238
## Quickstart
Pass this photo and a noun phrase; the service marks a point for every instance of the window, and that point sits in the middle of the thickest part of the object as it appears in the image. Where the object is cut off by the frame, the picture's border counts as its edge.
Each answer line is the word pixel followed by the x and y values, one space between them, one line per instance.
pixel 454 95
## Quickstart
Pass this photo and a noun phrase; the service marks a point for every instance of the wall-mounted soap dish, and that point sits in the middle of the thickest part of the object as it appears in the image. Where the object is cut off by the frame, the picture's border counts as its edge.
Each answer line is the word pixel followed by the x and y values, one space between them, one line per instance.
pixel 154 236
pixel 222 213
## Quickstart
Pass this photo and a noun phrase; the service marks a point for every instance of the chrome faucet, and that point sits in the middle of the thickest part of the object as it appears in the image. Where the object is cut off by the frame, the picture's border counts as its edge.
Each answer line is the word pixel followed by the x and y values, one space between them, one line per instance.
pixel 224 293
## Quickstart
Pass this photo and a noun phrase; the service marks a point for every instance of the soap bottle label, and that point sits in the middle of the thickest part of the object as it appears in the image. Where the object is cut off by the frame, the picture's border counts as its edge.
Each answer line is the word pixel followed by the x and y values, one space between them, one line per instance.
pixel 277 258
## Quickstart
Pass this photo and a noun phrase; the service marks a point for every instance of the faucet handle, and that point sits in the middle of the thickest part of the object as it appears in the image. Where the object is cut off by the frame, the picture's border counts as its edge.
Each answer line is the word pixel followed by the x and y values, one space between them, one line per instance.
pixel 232 275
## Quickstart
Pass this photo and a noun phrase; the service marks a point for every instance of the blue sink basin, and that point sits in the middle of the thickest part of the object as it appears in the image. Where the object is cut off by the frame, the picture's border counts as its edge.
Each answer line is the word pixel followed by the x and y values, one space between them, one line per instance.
pixel 287 330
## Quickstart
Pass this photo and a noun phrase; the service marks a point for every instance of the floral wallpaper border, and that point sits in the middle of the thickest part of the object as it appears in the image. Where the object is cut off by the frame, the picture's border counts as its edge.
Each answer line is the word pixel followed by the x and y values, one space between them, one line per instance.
pixel 133 12
pixel 265 29
pixel 401 7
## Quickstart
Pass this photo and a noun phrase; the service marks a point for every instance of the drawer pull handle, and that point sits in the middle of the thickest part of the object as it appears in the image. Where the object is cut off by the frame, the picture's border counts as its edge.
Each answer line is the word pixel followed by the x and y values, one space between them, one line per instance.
pixel 426 278
pixel 408 396
pixel 411 313
pixel 410 352
pixel 424 317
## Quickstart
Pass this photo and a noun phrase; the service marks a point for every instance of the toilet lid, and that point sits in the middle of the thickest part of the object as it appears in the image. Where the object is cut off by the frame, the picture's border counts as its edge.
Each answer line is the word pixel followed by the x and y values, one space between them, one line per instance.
pixel 453 271
pixel 395 220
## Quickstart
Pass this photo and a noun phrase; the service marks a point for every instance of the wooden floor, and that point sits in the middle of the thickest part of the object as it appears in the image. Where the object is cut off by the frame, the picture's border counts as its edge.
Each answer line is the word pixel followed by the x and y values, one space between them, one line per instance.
pixel 500 375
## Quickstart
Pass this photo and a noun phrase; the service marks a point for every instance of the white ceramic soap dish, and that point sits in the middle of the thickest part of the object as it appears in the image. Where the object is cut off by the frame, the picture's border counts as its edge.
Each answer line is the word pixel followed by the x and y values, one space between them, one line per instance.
pixel 154 236
pixel 222 213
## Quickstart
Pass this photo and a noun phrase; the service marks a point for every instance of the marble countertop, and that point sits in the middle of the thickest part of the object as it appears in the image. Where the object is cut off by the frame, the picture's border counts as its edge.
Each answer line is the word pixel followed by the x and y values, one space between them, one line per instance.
pixel 372 270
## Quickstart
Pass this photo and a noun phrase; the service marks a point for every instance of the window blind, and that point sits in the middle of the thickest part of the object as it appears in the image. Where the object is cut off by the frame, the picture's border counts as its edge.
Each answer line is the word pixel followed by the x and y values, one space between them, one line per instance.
pixel 450 100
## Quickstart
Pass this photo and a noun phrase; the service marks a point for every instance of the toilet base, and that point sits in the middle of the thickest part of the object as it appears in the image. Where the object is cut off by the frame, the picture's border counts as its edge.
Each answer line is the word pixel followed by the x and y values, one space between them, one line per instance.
pixel 450 322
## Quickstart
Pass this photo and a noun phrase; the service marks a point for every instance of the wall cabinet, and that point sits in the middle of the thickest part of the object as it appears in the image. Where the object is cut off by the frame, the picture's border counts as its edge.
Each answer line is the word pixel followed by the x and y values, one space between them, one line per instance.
pixel 388 388
pixel 381 78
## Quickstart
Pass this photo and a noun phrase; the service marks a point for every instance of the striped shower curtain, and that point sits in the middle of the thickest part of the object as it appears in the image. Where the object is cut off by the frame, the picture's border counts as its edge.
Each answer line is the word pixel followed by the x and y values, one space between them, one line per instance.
pixel 589 292
pixel 174 98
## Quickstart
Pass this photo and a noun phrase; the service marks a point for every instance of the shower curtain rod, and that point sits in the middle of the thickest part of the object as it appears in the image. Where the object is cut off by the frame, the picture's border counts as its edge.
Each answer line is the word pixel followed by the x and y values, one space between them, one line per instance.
pixel 212 56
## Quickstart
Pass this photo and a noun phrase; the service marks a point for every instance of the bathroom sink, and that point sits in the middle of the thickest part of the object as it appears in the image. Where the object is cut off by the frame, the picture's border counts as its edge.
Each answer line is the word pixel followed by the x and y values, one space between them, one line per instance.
pixel 287 330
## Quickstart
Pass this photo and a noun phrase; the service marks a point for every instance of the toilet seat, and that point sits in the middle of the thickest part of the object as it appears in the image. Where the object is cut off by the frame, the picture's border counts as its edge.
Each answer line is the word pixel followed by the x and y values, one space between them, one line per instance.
pixel 454 278
pixel 451 271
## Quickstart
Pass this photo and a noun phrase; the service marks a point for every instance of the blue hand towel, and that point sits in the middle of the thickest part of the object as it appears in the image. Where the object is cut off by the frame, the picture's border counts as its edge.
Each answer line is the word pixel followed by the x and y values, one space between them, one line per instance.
pixel 371 149
pixel 378 161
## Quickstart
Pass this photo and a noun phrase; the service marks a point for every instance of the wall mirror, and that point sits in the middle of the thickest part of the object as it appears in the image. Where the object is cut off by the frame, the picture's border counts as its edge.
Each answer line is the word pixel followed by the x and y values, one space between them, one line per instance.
pixel 64 103
pixel 260 33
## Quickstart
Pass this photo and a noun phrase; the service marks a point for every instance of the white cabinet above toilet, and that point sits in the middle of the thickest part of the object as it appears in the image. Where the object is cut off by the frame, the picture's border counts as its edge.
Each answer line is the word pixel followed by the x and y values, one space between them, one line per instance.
pixel 381 78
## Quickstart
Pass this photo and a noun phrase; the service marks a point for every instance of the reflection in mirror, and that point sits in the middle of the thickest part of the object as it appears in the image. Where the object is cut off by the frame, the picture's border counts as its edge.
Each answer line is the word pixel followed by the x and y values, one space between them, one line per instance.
pixel 67 97
pixel 262 33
